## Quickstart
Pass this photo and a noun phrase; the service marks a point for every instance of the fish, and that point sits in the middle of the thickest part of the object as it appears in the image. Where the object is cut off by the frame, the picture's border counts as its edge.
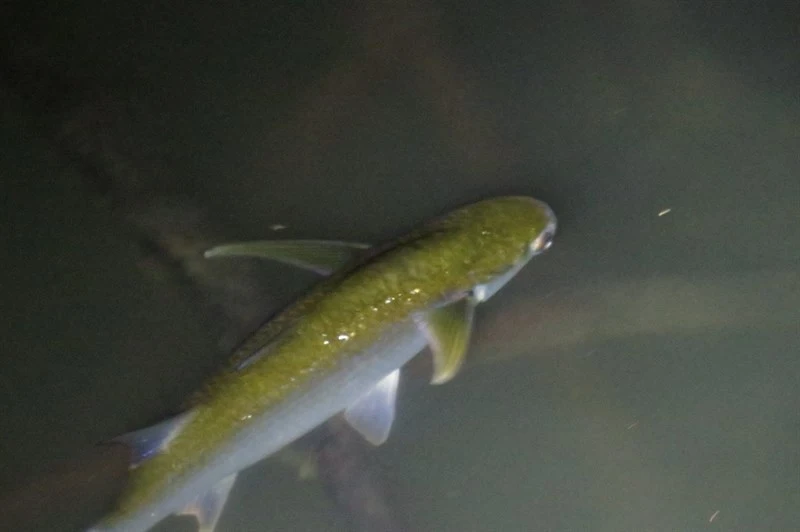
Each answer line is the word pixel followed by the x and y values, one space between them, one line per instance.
pixel 336 351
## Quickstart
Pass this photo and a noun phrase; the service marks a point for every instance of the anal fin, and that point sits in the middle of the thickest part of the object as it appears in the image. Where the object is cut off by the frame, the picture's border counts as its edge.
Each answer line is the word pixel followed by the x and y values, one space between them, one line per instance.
pixel 207 508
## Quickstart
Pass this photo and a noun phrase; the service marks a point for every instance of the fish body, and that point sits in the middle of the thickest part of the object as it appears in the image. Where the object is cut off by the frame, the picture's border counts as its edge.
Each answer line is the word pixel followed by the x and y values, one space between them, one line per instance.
pixel 337 349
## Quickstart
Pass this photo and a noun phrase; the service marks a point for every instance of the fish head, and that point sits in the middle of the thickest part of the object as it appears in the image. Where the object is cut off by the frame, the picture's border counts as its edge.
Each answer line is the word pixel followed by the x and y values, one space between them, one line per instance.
pixel 498 236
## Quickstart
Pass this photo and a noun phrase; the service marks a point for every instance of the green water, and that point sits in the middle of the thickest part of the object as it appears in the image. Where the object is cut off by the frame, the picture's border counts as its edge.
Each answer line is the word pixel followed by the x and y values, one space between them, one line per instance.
pixel 642 375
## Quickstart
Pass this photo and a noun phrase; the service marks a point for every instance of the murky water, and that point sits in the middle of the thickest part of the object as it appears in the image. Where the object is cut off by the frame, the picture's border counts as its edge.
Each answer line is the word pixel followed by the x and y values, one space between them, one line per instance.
pixel 642 375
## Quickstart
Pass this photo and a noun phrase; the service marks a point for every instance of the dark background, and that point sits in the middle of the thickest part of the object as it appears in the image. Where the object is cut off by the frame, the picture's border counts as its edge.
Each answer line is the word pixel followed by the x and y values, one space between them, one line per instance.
pixel 640 376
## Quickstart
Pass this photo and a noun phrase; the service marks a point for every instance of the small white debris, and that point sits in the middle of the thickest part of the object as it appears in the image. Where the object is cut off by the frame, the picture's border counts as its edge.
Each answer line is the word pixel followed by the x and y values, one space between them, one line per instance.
pixel 664 211
pixel 278 227
pixel 713 516
pixel 632 425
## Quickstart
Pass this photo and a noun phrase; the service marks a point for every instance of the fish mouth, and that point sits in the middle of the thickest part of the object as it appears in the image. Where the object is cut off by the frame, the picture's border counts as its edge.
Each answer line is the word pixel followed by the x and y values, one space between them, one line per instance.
pixel 544 240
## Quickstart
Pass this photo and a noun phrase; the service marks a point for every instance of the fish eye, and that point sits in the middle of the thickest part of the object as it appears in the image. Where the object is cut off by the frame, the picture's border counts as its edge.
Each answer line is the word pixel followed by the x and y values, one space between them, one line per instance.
pixel 543 241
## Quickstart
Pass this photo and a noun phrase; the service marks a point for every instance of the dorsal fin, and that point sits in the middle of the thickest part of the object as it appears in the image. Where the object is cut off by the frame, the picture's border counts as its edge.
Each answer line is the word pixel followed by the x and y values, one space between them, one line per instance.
pixel 320 256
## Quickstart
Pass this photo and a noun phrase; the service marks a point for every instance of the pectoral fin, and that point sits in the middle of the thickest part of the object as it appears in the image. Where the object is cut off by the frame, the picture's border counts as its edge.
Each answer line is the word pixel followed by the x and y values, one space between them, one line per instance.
pixel 320 256
pixel 373 414
pixel 149 441
pixel 448 330
pixel 208 507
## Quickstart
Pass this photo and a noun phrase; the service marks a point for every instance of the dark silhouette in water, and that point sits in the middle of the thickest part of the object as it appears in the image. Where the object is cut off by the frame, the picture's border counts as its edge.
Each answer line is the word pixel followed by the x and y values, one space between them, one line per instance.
pixel 172 233
pixel 344 459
